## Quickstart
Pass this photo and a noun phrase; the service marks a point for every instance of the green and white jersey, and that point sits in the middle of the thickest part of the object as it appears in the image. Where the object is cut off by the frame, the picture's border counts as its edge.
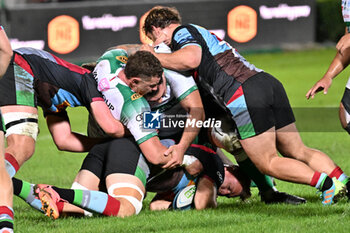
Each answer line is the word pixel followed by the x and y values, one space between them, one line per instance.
pixel 178 87
pixel 124 104
pixel 345 4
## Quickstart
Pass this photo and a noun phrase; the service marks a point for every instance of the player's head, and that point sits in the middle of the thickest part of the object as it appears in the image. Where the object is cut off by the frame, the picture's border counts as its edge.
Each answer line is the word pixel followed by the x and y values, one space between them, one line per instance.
pixel 235 184
pixel 144 72
pixel 157 21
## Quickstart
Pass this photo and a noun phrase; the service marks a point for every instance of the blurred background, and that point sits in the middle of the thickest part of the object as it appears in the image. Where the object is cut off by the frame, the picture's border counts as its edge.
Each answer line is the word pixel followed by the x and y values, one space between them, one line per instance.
pixel 80 30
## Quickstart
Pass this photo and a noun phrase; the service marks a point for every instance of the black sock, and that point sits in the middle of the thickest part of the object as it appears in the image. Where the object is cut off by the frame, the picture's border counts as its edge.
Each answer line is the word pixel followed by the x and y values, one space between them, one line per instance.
pixel 66 194
pixel 17 186
pixel 327 184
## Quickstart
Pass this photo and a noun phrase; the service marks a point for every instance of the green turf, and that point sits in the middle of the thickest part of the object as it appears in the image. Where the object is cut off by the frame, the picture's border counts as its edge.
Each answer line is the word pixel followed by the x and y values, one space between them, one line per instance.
pixel 297 71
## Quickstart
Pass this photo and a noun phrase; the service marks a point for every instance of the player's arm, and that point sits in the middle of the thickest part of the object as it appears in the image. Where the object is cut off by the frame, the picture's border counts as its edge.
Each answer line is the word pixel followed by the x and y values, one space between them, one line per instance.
pixel 106 121
pixel 339 63
pixel 344 42
pixel 187 58
pixel 5 51
pixel 154 152
pixel 192 103
pixel 66 140
pixel 206 194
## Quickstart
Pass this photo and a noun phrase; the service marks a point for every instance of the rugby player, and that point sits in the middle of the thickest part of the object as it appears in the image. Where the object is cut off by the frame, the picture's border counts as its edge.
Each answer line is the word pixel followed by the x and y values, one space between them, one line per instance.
pixel 6 193
pixel 339 63
pixel 35 77
pixel 224 137
pixel 257 101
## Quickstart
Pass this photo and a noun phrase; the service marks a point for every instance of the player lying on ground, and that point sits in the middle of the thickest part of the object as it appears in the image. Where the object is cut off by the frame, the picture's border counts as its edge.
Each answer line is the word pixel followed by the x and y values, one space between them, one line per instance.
pixel 6 211
pixel 256 100
pixel 107 163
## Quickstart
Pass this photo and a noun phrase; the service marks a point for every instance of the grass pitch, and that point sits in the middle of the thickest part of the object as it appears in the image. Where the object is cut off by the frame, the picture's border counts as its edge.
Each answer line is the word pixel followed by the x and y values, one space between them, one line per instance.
pixel 298 71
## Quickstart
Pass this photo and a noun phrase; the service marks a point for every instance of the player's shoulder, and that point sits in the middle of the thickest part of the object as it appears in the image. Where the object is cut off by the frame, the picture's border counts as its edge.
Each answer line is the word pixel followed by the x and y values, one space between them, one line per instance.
pixel 115 54
pixel 130 97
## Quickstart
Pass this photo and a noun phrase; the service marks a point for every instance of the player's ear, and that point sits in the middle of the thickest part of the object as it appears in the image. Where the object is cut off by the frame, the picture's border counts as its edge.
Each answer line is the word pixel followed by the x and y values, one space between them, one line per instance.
pixel 135 80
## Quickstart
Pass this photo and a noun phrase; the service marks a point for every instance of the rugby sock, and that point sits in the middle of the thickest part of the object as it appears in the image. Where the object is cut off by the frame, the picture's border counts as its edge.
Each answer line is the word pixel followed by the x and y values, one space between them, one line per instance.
pixel 321 181
pixel 24 190
pixel 340 175
pixel 12 165
pixel 95 201
pixel 263 182
pixel 6 219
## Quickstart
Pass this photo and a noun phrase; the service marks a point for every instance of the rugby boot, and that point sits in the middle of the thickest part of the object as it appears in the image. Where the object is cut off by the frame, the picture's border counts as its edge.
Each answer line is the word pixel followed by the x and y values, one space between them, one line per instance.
pixel 48 197
pixel 275 197
pixel 334 193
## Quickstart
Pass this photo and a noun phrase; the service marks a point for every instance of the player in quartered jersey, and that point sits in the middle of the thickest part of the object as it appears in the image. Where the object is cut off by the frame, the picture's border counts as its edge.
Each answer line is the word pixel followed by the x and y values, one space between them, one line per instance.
pixel 38 78
pixel 6 192
pixel 257 101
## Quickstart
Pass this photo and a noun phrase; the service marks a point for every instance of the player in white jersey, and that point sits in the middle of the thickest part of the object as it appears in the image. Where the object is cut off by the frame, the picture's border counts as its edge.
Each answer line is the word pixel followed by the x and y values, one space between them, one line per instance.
pixel 128 106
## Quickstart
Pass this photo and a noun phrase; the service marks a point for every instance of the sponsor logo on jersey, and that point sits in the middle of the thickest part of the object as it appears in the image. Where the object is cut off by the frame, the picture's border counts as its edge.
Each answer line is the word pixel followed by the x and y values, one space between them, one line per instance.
pixel 123 59
pixel 136 96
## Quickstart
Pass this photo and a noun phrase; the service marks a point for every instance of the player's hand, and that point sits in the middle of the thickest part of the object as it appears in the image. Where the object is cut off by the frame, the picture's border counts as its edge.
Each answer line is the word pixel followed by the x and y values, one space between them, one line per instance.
pixel 147 47
pixel 323 84
pixel 343 43
pixel 177 154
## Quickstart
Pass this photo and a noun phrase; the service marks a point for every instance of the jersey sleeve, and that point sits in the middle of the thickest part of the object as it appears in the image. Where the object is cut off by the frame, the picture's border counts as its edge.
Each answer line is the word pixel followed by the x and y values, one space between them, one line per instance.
pixel 180 85
pixel 90 88
pixel 182 38
pixel 131 115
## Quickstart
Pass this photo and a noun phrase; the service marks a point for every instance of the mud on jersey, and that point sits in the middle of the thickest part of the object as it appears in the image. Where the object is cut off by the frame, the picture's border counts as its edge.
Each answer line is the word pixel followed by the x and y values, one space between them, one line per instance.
pixel 124 104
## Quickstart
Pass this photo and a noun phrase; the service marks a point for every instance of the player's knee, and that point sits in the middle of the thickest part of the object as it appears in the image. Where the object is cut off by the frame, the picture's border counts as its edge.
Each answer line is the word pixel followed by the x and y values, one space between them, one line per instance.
pixel 21 147
pixel 130 197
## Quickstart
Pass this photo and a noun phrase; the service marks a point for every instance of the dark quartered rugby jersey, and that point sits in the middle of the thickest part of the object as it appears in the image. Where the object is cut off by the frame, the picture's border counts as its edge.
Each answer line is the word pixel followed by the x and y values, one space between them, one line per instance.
pixel 57 83
pixel 222 68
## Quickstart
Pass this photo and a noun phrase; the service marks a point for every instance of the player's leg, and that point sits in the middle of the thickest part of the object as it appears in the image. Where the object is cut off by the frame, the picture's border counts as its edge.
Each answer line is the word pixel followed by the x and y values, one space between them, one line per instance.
pixel 6 193
pixel 269 106
pixel 21 124
pixel 18 106
pixel 126 172
pixel 291 145
pixel 128 190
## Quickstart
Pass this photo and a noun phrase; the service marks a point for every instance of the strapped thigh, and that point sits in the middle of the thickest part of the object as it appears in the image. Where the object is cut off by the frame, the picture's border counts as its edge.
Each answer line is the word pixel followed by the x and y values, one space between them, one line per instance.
pixel 137 203
pixel 21 123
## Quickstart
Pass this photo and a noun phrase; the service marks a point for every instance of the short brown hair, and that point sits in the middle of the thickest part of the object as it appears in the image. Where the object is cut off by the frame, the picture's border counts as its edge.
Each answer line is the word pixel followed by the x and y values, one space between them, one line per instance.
pixel 161 16
pixel 143 64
